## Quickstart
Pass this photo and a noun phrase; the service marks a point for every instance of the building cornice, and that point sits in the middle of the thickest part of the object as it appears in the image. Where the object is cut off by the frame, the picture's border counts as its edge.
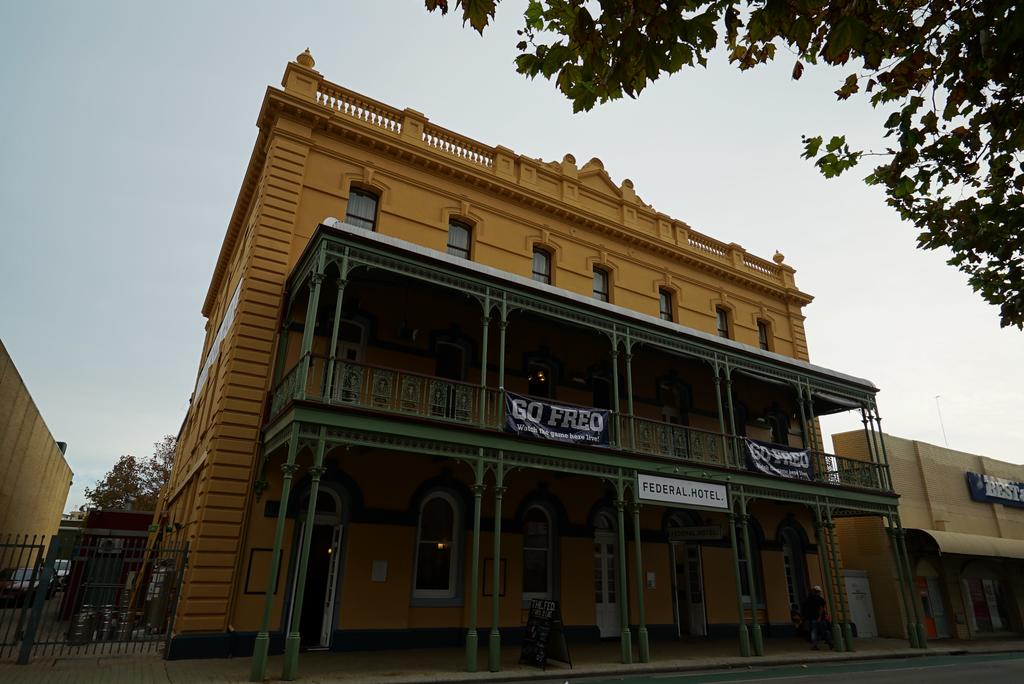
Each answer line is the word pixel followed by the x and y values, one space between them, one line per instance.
pixel 409 136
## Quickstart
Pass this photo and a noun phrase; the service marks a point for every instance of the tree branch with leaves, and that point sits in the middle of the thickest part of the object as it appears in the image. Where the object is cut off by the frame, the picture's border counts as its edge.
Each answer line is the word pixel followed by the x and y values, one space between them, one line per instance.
pixel 952 70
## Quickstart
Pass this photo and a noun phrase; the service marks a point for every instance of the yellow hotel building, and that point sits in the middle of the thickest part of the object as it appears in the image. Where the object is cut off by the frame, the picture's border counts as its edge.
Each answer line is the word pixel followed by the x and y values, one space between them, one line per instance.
pixel 442 379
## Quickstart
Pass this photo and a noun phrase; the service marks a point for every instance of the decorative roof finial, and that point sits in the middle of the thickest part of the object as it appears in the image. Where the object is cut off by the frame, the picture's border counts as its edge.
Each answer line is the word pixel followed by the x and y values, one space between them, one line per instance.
pixel 778 257
pixel 306 59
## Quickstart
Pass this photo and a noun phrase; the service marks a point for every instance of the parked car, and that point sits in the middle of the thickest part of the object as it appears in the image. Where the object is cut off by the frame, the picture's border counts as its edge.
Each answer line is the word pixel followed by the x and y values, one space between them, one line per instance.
pixel 61 571
pixel 18 586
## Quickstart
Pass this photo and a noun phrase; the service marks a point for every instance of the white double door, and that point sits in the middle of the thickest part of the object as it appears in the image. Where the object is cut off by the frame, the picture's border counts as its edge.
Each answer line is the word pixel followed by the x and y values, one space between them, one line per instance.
pixel 688 586
pixel 605 589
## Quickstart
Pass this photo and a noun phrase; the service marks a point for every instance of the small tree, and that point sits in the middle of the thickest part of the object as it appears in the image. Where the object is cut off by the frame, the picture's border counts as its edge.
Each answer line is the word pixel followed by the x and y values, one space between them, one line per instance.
pixel 133 484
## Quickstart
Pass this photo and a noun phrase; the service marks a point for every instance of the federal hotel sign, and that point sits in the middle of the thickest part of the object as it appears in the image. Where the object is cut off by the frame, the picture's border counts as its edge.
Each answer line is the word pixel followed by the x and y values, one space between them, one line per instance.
pixel 682 493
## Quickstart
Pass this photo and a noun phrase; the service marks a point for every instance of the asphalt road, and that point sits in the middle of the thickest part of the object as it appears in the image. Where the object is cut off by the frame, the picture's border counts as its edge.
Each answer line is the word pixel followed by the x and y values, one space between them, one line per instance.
pixel 989 669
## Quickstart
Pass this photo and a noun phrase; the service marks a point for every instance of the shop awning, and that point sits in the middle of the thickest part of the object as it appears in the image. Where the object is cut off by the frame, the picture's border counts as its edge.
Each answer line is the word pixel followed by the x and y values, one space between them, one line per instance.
pixel 976 544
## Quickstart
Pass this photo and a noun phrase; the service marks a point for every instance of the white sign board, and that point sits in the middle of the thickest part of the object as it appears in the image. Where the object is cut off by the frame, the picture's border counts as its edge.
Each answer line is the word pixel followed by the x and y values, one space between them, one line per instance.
pixel 685 493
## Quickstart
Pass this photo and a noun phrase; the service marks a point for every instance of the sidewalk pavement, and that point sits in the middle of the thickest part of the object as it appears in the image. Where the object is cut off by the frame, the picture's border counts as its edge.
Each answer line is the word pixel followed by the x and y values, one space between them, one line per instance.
pixel 445 665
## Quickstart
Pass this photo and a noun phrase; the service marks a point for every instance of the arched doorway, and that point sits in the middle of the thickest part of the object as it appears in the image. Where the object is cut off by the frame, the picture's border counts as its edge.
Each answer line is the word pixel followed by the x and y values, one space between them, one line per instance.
pixel 605 590
pixel 319 599
pixel 794 562
pixel 687 576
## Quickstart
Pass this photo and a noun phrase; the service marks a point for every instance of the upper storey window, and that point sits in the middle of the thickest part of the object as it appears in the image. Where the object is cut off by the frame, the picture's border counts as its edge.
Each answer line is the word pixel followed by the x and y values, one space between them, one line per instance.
pixel 458 239
pixel 600 284
pixel 723 322
pixel 763 336
pixel 362 209
pixel 541 265
pixel 665 305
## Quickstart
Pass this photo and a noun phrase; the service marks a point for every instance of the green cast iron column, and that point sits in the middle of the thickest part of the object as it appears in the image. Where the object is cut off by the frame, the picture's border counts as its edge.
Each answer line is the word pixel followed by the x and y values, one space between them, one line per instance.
pixel 626 641
pixel 629 393
pixel 742 619
pixel 486 322
pixel 333 354
pixel 282 352
pixel 645 648
pixel 885 454
pixel 502 326
pixel 294 639
pixel 472 639
pixel 309 329
pixel 906 591
pixel 922 636
pixel 755 628
pixel 875 457
pixel 826 571
pixel 830 528
pixel 812 430
pixel 805 438
pixel 736 455
pixel 262 645
pixel 494 641
pixel 721 414
pixel 615 393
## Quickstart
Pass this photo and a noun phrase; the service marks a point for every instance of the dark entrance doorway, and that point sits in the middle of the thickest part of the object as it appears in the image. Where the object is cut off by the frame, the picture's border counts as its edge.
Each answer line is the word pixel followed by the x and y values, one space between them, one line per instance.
pixel 314 599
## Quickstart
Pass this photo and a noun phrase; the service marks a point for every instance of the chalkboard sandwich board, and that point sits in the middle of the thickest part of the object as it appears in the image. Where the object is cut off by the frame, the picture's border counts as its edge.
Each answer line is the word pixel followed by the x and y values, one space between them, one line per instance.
pixel 545 638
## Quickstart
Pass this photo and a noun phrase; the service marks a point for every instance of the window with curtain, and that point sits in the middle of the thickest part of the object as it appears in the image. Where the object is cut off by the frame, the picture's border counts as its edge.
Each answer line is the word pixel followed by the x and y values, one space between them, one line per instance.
pixel 665 305
pixel 537 554
pixel 541 265
pixel 458 238
pixel 362 209
pixel 436 548
pixel 723 322
pixel 600 284
pixel 763 336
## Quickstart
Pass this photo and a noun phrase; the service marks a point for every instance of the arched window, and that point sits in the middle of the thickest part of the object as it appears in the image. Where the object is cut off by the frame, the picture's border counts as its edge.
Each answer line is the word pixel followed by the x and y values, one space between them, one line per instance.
pixel 362 209
pixel 437 547
pixel 538 554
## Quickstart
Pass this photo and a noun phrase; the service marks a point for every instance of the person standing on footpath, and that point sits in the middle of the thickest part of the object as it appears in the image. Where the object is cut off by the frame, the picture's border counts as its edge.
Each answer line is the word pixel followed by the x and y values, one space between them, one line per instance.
pixel 814 614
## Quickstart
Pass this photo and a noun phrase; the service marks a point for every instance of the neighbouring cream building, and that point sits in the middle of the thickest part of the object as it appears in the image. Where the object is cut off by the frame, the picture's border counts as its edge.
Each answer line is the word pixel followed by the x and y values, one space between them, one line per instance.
pixel 442 379
pixel 34 477
pixel 963 515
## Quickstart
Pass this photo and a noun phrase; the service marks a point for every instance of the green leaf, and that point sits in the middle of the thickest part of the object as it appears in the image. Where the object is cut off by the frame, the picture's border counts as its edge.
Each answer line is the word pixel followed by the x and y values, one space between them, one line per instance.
pixel 847 33
pixel 534 16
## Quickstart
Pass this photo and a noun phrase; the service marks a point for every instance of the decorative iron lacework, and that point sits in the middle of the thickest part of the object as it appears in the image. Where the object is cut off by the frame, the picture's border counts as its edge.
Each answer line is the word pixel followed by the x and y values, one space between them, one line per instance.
pixel 833 500
pixel 336 249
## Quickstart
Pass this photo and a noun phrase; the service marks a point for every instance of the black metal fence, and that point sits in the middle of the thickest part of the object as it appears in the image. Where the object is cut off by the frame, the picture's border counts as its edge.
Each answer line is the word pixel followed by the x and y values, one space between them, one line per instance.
pixel 102 595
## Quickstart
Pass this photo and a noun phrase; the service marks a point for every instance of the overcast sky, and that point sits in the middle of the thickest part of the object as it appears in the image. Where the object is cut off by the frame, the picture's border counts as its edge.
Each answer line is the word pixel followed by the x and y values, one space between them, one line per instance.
pixel 127 128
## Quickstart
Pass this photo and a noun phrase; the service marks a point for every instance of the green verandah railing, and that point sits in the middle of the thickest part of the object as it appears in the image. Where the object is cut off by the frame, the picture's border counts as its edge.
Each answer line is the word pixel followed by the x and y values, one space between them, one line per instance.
pixel 401 392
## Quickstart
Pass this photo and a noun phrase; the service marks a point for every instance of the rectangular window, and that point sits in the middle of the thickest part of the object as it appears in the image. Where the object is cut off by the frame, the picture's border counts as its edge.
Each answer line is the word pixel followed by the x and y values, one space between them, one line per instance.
pixel 458 239
pixel 762 335
pixel 541 266
pixel 665 305
pixel 600 284
pixel 723 322
pixel 362 209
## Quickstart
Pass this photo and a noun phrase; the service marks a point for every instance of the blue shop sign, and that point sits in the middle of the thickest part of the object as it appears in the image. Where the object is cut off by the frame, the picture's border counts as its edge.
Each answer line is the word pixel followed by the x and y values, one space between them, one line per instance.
pixel 995 490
